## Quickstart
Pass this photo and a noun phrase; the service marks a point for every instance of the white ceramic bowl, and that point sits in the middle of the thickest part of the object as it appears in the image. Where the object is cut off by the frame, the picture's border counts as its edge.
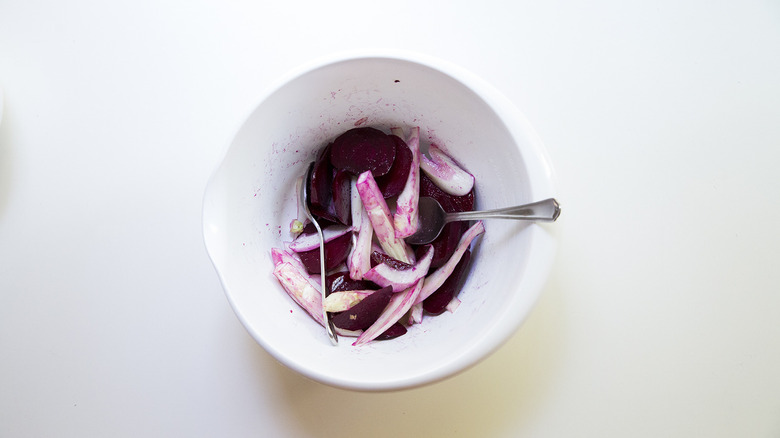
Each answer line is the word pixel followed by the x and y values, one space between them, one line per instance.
pixel 250 201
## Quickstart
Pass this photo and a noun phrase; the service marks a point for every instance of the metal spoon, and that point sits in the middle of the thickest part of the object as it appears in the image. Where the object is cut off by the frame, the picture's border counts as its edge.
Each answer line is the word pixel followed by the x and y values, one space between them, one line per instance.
pixel 304 201
pixel 432 216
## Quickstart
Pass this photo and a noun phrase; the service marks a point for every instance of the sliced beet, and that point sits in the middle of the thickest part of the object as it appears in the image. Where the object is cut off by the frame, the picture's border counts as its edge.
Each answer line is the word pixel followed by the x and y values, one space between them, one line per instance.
pixel 336 252
pixel 362 149
pixel 341 281
pixel 364 313
pixel 321 187
pixel 342 197
pixel 392 332
pixel 393 183
pixel 378 257
pixel 437 302
pixel 447 243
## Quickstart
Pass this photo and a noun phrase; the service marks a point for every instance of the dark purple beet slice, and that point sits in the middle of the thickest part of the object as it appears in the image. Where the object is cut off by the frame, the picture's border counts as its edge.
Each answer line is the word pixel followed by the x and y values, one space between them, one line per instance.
pixel 362 149
pixel 392 332
pixel 364 313
pixel 377 258
pixel 393 183
pixel 446 243
pixel 321 187
pixel 342 197
pixel 341 281
pixel 336 252
pixel 437 302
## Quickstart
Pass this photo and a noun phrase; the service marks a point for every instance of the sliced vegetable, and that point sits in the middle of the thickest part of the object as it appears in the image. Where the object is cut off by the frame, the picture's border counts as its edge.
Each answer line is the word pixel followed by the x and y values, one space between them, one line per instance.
pixel 394 182
pixel 363 149
pixel 279 256
pixel 310 240
pixel 356 204
pixel 400 303
pixel 342 202
pixel 400 279
pixel 336 252
pixel 405 219
pixel 378 257
pixel 321 187
pixel 296 227
pixel 439 276
pixel 344 300
pixel 447 242
pixel 359 259
pixel 445 172
pixel 364 313
pixel 306 292
pixel 393 332
pixel 453 305
pixel 301 289
pixel 379 215
pixel 438 301
pixel 341 281
pixel 416 314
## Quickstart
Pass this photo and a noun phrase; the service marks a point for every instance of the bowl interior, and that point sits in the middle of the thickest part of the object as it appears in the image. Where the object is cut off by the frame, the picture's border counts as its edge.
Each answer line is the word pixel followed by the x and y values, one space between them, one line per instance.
pixel 250 202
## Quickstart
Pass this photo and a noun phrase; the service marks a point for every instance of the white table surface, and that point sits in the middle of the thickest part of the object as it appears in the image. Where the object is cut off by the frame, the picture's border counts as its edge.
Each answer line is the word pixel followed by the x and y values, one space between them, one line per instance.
pixel 662 314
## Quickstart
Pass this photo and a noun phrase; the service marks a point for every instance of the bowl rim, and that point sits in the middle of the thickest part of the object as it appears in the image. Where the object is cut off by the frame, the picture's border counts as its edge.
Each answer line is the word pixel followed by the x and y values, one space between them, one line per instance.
pixel 542 177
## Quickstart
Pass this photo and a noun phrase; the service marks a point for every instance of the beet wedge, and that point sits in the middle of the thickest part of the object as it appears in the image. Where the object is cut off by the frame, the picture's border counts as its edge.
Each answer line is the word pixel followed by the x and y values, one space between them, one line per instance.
pixel 400 303
pixel 392 332
pixel 394 182
pixel 362 315
pixel 336 252
pixel 440 299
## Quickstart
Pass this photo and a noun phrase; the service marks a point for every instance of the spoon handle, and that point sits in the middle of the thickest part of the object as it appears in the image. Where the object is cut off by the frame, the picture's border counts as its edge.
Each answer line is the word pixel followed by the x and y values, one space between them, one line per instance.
pixel 547 210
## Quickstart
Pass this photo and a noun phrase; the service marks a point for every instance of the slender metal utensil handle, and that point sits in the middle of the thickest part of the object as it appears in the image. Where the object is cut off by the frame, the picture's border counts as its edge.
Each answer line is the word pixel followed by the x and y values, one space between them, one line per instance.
pixel 547 210
pixel 334 339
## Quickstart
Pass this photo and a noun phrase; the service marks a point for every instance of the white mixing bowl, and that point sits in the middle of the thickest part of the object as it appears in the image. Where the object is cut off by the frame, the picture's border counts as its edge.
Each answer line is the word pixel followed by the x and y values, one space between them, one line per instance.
pixel 250 201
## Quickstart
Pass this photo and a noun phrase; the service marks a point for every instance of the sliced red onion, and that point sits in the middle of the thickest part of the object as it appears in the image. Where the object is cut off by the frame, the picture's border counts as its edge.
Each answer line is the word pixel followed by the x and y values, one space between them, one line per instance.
pixel 279 256
pixel 356 204
pixel 359 259
pixel 439 276
pixel 416 314
pixel 454 304
pixel 304 290
pixel 400 303
pixel 405 219
pixel 400 279
pixel 379 215
pixel 300 289
pixel 445 172
pixel 344 300
pixel 308 242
